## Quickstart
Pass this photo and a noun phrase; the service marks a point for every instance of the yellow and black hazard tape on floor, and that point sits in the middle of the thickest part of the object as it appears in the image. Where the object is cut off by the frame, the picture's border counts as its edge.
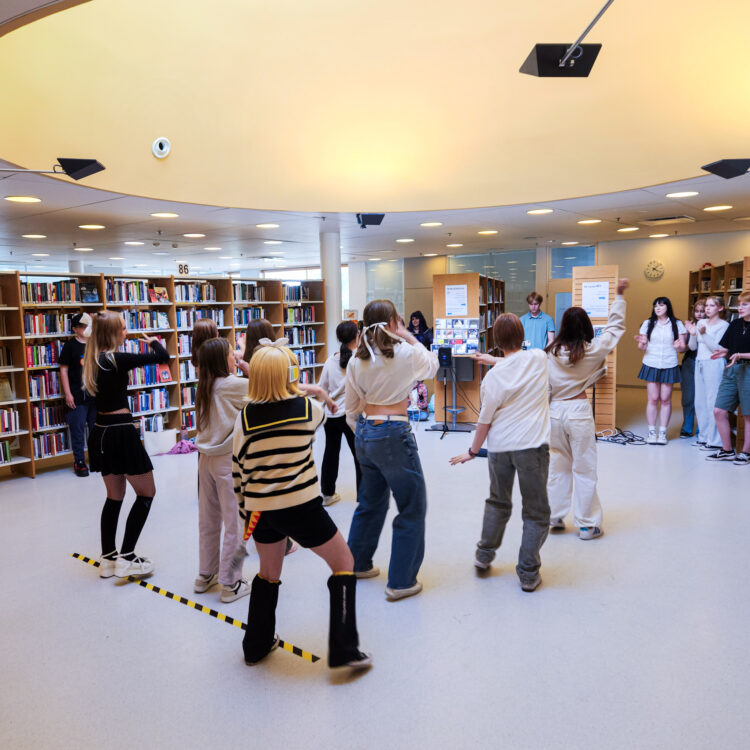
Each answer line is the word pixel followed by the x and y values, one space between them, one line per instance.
pixel 306 655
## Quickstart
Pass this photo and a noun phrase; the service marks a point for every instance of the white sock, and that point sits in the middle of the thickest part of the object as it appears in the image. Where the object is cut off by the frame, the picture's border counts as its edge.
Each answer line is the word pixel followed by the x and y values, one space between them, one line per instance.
pixel 662 430
pixel 652 428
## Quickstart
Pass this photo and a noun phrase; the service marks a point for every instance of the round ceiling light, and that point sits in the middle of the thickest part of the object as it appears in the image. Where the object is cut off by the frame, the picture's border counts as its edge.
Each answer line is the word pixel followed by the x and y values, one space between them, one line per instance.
pixel 431 224
pixel 590 221
pixel 165 215
pixel 267 226
pixel 91 226
pixel 22 199
pixel 34 236
pixel 194 235
pixel 539 211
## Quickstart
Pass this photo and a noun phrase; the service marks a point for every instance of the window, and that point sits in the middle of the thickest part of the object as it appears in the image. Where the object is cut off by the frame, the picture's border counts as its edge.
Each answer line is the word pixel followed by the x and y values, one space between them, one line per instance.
pixel 385 280
pixel 562 260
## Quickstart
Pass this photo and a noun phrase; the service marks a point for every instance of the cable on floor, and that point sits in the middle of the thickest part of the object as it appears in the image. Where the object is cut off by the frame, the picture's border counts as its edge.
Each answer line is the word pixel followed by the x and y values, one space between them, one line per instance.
pixel 620 437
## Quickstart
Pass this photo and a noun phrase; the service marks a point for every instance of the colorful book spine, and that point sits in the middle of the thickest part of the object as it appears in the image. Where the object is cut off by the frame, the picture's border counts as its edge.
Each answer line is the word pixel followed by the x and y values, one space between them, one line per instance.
pixel 243 315
pixel 51 444
pixel 184 292
pixel 47 416
pixel 9 421
pixel 248 292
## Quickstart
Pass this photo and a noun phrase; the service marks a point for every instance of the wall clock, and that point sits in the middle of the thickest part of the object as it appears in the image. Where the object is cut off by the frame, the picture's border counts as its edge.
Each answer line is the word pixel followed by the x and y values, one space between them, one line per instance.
pixel 654 270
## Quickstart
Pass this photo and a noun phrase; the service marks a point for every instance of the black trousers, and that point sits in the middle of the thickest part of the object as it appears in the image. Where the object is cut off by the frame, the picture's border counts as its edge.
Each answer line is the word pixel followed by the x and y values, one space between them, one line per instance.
pixel 335 427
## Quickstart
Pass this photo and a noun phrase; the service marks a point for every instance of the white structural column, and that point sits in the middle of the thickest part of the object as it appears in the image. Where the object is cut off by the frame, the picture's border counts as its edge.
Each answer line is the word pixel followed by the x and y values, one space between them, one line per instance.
pixel 330 270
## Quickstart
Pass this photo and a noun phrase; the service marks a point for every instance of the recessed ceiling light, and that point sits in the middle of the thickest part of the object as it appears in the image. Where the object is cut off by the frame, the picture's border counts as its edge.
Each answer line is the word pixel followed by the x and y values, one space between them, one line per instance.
pixel 374 259
pixel 267 226
pixel 658 235
pixel 429 255
pixel 116 257
pixel 141 265
pixel 272 242
pixel 40 255
pixel 211 249
pixel 590 221
pixel 512 261
pixel 487 231
pixel 455 244
pixel 684 194
pixel 134 243
pixel 568 243
pixel 629 229
pixel 405 239
pixel 161 253
pixel 165 215
pixel 194 235
pixel 91 226
pixel 234 265
pixel 225 257
pixel 431 224
pixel 84 249
pixel 718 208
pixel 22 199
pixel 393 260
pixel 35 236
pixel 570 257
pixel 539 211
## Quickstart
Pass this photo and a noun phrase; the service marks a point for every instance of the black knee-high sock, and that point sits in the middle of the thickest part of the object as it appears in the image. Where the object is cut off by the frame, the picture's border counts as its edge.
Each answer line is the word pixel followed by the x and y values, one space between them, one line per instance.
pixel 110 514
pixel 136 521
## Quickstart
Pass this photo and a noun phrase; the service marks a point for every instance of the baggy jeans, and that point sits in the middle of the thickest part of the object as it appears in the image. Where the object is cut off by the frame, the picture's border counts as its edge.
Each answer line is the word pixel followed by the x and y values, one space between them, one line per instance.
pixel 708 375
pixel 532 466
pixel 389 461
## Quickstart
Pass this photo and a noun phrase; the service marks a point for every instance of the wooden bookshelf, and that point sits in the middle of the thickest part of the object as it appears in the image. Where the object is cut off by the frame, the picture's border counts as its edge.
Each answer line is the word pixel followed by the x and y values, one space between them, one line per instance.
pixel 304 324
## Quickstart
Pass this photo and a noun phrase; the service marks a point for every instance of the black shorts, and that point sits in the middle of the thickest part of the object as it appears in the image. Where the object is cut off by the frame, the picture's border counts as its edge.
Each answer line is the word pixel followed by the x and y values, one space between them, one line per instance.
pixel 309 524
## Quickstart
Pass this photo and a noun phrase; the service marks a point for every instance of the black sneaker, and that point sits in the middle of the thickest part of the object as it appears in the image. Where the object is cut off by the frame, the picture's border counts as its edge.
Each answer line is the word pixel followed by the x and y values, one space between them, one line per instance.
pixel 721 455
pixel 81 470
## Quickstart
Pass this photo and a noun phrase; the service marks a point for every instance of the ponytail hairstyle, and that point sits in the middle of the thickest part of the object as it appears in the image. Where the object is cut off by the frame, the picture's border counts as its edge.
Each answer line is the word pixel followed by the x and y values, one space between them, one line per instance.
pixel 575 332
pixel 257 329
pixel 101 346
pixel 203 330
pixel 212 364
pixel 670 314
pixel 346 332
pixel 377 311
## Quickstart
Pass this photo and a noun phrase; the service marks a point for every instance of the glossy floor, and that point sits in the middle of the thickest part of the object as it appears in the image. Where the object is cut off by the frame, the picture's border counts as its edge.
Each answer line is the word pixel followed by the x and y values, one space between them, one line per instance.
pixel 635 640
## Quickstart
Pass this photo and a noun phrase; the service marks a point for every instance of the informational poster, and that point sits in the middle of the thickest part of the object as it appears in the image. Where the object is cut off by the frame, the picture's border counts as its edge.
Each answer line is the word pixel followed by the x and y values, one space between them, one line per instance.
pixel 456 299
pixel 595 298
pixel 460 334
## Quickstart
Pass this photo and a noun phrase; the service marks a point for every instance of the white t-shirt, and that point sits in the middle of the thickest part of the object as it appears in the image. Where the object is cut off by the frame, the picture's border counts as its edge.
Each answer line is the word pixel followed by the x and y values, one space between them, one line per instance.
pixel 661 352
pixel 515 402
pixel 707 343
pixel 332 381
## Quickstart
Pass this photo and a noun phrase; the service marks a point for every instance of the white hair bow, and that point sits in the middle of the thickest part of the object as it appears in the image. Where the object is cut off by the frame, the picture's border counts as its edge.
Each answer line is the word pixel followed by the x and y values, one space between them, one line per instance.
pixel 277 343
pixel 384 327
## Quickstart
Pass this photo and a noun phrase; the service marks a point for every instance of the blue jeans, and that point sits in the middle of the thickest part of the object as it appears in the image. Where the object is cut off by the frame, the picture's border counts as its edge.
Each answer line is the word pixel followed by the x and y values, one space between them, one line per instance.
pixel 388 458
pixel 687 374
pixel 77 419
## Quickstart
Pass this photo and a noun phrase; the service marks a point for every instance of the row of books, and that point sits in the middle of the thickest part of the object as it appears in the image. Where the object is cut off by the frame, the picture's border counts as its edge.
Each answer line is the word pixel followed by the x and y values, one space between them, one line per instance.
pixel 150 375
pixel 298 336
pixel 184 343
pixel 45 385
pixel 135 291
pixel 51 291
pixel 40 355
pixel 188 395
pixel 186 292
pixel 139 346
pixel 153 423
pixel 51 444
pixel 304 314
pixel 188 420
pixel 243 315
pixel 187 370
pixel 151 400
pixel 187 318
pixel 47 416
pixel 5 452
pixel 244 292
pixel 306 357
pixel 137 319
pixel 46 323
pixel 9 421
pixel 296 292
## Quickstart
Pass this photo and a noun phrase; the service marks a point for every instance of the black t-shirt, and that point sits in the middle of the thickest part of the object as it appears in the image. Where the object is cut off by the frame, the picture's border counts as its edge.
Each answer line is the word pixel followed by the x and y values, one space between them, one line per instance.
pixel 71 356
pixel 736 338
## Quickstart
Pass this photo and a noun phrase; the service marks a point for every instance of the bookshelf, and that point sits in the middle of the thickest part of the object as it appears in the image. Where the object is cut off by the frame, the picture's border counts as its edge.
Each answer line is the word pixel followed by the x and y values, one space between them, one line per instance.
pixel 35 310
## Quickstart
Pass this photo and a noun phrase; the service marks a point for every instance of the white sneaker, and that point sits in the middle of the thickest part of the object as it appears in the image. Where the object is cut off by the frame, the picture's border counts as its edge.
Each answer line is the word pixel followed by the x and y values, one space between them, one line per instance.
pixel 662 439
pixel 232 593
pixel 557 524
pixel 107 567
pixel 373 572
pixel 589 532
pixel 651 439
pixel 331 499
pixel 204 583
pixel 393 595
pixel 138 567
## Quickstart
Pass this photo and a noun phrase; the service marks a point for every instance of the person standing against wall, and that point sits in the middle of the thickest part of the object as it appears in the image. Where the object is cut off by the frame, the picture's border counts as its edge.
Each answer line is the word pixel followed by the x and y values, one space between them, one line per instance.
pixel 538 327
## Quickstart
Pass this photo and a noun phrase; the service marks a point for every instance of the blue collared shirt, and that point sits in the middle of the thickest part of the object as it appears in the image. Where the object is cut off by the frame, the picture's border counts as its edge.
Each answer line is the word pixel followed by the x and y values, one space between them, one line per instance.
pixel 535 329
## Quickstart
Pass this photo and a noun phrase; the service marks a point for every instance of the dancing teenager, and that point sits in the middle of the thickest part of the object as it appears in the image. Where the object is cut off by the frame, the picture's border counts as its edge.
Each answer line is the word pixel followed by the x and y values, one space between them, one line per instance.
pixel 514 419
pixel 687 377
pixel 705 334
pixel 379 378
pixel 219 398
pixel 576 361
pixel 332 380
pixel 115 447
pixel 418 326
pixel 734 389
pixel 661 337
pixel 277 490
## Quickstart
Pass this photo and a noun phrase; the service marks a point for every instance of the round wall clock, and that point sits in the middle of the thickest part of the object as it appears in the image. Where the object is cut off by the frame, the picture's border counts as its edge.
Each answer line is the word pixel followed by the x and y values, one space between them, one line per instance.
pixel 654 270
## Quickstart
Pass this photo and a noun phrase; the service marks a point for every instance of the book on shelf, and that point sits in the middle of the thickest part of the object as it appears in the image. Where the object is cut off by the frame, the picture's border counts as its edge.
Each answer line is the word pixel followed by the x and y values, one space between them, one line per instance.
pixel 165 374
pixel 161 294
pixel 706 285
pixel 89 292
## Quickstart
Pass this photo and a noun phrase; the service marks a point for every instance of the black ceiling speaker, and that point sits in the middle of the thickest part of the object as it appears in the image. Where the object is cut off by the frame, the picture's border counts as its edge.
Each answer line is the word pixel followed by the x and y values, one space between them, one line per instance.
pixel 544 61
pixel 728 168
pixel 370 220
pixel 80 168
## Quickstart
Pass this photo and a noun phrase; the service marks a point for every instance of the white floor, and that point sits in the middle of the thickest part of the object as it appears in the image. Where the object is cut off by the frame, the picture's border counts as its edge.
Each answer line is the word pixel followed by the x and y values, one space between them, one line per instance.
pixel 635 640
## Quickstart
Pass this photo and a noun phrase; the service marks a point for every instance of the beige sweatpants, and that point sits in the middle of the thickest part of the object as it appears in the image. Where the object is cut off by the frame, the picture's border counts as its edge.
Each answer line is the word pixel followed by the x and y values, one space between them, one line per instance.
pixel 573 460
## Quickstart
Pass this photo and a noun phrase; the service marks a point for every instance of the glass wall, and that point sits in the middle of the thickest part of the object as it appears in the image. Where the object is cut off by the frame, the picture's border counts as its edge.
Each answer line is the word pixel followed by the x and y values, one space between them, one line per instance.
pixel 385 280
pixel 562 260
pixel 516 267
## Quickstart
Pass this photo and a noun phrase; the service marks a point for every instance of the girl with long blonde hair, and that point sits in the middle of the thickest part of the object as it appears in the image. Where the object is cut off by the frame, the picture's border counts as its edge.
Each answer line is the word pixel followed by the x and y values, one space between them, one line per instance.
pixel 115 447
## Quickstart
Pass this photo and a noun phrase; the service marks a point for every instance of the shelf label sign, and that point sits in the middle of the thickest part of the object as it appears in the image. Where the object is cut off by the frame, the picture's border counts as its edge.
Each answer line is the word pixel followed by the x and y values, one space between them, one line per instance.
pixel 182 269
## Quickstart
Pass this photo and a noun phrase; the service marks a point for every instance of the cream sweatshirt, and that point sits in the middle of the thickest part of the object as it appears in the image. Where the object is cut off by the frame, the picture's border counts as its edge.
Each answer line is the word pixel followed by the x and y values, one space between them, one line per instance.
pixel 228 397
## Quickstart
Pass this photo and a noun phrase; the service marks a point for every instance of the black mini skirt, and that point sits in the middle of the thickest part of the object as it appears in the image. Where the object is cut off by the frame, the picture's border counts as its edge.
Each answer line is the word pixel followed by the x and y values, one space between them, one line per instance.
pixel 115 446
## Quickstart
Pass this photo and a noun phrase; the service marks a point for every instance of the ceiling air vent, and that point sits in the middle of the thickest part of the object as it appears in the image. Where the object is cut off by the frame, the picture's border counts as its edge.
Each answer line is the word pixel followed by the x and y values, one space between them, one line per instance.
pixel 660 221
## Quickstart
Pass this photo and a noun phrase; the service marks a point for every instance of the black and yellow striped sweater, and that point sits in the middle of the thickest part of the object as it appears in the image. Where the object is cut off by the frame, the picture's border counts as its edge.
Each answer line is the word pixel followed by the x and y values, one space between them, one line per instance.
pixel 272 459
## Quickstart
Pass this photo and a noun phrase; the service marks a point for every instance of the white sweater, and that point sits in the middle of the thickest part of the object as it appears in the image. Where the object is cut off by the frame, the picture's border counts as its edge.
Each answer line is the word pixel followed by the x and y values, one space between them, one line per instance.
pixel 228 397
pixel 707 343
